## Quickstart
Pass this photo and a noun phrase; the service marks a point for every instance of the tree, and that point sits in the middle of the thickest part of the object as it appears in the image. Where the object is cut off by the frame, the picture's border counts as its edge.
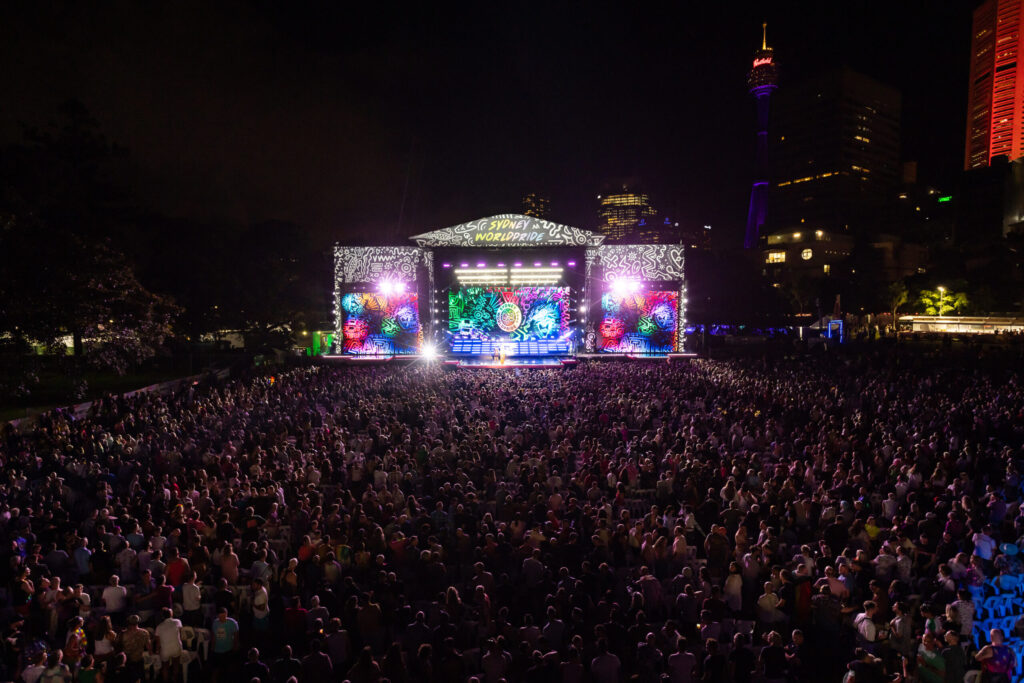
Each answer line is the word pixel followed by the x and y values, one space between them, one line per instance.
pixel 941 301
pixel 55 285
pixel 898 296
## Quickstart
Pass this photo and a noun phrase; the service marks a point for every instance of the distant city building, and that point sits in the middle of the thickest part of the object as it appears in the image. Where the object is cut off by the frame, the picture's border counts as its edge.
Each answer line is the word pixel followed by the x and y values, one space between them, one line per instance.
pixel 922 213
pixel 536 205
pixel 620 211
pixel 835 154
pixel 655 230
pixel 811 253
pixel 989 202
pixel 995 94
pixel 695 236
pixel 762 81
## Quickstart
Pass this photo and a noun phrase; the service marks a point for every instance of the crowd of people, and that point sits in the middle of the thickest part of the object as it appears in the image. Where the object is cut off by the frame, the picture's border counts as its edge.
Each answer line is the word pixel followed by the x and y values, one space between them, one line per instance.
pixel 780 520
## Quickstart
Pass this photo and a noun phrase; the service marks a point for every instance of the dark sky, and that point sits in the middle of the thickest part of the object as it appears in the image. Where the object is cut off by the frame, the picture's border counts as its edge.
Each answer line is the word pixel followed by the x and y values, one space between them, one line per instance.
pixel 328 114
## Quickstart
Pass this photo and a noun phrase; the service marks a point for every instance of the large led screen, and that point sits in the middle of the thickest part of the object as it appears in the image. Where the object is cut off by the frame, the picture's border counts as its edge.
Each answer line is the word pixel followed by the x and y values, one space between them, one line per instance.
pixel 376 324
pixel 638 322
pixel 509 313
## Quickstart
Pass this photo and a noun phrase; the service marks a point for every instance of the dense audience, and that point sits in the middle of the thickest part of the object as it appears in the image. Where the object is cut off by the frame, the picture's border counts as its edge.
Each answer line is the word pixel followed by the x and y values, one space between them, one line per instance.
pixel 790 520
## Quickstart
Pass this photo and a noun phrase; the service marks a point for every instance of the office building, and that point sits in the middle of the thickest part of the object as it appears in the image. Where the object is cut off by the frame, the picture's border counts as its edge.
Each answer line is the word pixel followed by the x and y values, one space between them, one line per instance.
pixel 995 91
pixel 834 154
pixel 620 210
pixel 536 205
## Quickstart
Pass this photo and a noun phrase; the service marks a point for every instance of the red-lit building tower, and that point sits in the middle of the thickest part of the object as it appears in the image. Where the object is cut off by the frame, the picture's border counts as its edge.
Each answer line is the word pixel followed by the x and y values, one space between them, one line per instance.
pixel 763 79
pixel 995 95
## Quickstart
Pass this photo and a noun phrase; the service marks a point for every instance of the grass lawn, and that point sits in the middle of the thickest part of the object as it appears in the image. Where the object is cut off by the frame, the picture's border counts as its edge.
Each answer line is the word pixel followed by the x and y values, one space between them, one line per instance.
pixel 56 389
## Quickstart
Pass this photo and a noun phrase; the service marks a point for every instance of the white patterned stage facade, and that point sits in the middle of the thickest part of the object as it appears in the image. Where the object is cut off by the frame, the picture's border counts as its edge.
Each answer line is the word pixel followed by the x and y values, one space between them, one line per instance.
pixel 509 286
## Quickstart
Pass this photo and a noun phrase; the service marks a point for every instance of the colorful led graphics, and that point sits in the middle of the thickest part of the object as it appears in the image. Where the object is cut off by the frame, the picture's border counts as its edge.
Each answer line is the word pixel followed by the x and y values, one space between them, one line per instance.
pixel 638 322
pixel 379 324
pixel 509 313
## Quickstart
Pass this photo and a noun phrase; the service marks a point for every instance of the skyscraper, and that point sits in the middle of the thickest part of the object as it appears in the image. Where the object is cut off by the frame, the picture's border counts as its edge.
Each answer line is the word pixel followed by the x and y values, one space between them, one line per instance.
pixel 763 79
pixel 536 205
pixel 620 211
pixel 995 92
pixel 835 153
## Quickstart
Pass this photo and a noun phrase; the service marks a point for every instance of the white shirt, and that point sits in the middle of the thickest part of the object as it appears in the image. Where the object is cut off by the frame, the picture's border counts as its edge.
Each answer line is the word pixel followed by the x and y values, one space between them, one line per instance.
pixel 115 598
pixel 865 627
pixel 191 597
pixel 168 634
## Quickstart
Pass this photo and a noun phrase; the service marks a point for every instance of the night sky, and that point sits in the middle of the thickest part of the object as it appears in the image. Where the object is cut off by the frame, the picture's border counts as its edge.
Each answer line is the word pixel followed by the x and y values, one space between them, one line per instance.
pixel 328 114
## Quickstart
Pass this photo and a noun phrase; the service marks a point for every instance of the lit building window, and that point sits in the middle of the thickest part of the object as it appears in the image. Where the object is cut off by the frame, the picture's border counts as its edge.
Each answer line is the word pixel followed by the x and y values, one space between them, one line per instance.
pixel 796 235
pixel 806 254
pixel 827 268
pixel 819 233
pixel 776 257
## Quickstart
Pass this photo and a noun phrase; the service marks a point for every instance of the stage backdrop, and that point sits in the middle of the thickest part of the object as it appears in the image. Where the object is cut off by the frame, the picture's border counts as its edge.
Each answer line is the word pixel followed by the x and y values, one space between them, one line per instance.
pixel 368 320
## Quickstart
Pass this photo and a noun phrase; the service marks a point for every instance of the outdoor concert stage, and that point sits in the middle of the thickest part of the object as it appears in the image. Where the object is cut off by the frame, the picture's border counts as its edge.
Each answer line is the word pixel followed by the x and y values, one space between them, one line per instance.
pixel 527 290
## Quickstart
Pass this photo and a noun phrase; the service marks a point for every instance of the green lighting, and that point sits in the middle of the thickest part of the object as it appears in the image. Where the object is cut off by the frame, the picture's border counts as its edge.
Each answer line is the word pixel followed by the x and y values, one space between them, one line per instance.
pixel 947 198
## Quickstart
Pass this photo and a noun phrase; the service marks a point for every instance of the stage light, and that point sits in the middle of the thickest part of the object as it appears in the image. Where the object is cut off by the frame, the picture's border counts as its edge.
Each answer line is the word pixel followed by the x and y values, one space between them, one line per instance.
pixel 536 264
pixel 481 265
pixel 554 263
pixel 623 286
pixel 429 352
pixel 501 265
pixel 446 265
pixel 518 265
pixel 386 287
pixel 571 263
pixel 464 265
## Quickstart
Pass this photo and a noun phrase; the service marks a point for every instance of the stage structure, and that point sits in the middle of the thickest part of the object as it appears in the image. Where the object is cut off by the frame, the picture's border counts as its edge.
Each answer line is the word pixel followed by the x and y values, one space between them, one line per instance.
pixel 509 285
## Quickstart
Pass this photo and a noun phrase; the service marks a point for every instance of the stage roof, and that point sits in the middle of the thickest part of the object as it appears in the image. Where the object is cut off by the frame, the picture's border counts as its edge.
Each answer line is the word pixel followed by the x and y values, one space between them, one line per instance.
pixel 509 230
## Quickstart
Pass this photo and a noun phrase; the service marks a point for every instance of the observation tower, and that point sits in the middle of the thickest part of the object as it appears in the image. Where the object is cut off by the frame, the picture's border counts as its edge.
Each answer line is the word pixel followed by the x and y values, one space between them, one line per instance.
pixel 763 79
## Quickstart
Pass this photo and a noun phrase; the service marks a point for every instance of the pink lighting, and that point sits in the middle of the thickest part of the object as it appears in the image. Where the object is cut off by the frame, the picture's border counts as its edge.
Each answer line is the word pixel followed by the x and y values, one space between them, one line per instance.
pixel 624 286
pixel 501 265
pixel 446 265
pixel 554 263
pixel 481 264
pixel 536 264
pixel 389 287
pixel 518 265
pixel 571 264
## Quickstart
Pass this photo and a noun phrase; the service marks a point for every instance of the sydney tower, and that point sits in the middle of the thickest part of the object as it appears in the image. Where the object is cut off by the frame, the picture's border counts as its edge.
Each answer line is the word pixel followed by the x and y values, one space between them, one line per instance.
pixel 763 79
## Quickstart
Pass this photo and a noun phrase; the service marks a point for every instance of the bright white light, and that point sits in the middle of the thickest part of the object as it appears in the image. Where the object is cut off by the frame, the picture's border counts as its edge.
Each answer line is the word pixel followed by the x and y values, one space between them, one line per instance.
pixel 389 287
pixel 429 352
pixel 622 286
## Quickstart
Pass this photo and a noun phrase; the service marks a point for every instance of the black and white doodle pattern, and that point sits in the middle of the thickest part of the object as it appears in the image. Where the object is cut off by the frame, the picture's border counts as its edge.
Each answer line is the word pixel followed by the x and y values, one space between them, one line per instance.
pixel 646 261
pixel 508 229
pixel 369 264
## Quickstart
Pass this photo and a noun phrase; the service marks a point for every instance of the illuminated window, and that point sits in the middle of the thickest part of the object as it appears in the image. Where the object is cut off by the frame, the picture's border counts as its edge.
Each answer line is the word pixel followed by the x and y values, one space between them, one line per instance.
pixel 776 257
pixel 819 233
pixel 796 235
pixel 861 138
pixel 827 268
pixel 806 254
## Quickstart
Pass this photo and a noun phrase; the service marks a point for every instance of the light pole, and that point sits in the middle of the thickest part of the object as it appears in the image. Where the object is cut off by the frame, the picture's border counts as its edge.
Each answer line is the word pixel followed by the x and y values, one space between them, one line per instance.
pixel 942 297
